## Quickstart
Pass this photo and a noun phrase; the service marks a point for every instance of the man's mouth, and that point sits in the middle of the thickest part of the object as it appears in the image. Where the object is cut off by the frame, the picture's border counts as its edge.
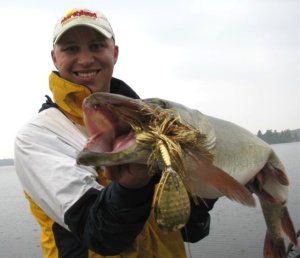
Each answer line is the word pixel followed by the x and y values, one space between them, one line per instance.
pixel 87 75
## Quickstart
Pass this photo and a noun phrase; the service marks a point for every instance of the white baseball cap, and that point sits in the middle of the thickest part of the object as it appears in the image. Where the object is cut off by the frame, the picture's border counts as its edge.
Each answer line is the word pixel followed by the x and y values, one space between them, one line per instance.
pixel 83 17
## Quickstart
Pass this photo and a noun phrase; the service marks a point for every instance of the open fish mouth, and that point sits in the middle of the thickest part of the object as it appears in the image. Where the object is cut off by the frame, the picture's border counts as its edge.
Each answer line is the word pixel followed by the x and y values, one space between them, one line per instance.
pixel 112 139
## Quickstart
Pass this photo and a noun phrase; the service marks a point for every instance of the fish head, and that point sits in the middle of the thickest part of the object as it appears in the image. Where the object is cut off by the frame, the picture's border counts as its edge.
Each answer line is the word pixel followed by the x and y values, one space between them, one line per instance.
pixel 113 123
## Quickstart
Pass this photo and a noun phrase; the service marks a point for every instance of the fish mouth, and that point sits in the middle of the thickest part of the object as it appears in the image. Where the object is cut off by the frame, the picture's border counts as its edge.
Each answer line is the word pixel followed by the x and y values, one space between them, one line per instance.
pixel 112 139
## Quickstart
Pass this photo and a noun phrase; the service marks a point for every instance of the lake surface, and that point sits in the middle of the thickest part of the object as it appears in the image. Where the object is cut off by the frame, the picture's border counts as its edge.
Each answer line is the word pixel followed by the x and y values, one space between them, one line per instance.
pixel 236 231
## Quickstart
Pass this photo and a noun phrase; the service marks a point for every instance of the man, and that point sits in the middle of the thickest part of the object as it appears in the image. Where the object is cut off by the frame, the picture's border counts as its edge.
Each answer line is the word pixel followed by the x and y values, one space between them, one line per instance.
pixel 80 213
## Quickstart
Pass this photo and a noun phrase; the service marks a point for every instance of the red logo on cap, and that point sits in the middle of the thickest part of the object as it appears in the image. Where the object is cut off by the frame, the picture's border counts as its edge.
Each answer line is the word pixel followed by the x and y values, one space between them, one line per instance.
pixel 78 14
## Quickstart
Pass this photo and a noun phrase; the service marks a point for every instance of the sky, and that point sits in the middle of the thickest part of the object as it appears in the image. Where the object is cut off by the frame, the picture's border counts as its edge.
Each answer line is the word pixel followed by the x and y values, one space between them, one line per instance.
pixel 237 60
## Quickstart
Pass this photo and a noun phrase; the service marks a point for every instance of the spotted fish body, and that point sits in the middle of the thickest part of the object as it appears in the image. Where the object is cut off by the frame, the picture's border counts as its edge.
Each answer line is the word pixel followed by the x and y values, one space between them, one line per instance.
pixel 241 161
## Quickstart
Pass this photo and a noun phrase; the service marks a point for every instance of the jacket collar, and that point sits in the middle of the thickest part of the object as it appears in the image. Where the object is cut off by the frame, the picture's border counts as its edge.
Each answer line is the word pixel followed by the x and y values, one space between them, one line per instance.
pixel 68 96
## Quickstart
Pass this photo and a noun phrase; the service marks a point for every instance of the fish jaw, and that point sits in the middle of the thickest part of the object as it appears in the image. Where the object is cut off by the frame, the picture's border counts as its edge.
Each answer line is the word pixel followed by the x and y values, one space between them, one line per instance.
pixel 111 140
pixel 109 103
pixel 134 153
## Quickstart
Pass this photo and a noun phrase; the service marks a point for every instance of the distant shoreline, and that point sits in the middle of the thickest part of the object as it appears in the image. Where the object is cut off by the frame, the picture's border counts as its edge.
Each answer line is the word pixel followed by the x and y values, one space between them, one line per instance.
pixel 275 137
pixel 7 162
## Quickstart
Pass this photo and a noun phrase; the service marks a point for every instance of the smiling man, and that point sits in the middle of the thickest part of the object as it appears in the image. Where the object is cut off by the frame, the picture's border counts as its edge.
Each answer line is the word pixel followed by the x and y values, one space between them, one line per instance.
pixel 82 211
pixel 84 56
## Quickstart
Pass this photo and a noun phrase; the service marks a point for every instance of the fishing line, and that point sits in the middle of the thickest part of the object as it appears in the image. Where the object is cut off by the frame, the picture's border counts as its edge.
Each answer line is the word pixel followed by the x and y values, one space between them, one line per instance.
pixel 188 244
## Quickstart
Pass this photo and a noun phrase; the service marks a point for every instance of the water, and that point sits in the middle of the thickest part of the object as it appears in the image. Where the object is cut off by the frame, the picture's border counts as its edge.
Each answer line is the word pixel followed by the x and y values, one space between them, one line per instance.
pixel 236 231
pixel 19 233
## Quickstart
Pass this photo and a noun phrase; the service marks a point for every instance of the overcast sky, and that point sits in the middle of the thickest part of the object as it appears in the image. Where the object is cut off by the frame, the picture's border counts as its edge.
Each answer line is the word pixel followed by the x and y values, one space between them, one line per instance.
pixel 236 59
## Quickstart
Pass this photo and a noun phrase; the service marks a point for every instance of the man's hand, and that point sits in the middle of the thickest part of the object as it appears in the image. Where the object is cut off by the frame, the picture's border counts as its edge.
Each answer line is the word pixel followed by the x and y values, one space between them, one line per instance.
pixel 129 175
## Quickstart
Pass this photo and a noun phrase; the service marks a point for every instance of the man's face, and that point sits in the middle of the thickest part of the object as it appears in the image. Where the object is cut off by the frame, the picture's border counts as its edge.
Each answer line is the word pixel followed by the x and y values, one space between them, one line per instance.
pixel 83 56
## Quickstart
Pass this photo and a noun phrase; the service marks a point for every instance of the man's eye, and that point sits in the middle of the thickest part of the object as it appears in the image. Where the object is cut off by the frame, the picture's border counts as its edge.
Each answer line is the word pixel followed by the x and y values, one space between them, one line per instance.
pixel 71 49
pixel 96 46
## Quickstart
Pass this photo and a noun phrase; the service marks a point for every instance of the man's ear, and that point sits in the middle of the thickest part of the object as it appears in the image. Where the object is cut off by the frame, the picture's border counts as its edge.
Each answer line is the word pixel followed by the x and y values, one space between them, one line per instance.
pixel 53 57
pixel 116 54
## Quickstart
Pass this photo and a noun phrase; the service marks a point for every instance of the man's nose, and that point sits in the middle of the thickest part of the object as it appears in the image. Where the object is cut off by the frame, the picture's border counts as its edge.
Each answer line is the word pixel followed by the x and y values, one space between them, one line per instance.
pixel 85 57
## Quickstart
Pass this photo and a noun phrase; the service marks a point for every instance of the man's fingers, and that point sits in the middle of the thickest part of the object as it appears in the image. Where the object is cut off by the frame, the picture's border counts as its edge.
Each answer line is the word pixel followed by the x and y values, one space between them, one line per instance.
pixel 129 175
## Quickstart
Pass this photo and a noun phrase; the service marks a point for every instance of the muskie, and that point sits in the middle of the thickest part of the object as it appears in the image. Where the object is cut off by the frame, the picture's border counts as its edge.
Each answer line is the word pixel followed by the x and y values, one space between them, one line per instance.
pixel 198 156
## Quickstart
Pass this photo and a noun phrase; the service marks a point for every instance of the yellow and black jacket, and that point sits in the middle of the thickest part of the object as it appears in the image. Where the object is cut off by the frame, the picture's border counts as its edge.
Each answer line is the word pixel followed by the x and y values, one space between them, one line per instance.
pixel 80 215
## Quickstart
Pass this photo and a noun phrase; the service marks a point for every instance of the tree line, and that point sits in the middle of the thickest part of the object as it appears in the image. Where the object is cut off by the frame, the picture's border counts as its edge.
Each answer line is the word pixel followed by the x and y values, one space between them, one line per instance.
pixel 6 162
pixel 284 136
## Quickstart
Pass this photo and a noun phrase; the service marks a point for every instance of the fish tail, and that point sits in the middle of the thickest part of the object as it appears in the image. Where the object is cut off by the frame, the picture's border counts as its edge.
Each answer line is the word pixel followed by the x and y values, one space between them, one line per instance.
pixel 274 248
pixel 288 227
pixel 278 221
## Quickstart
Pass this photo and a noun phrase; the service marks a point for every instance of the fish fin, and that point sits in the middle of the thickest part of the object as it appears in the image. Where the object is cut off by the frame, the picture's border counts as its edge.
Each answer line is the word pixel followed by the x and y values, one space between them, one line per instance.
pixel 277 173
pixel 288 227
pixel 274 249
pixel 256 186
pixel 230 187
pixel 224 183
pixel 265 196
pixel 281 177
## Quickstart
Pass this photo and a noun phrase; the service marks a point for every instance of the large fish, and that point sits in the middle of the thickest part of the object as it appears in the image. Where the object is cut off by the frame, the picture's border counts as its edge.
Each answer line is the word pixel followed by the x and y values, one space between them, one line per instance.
pixel 207 156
